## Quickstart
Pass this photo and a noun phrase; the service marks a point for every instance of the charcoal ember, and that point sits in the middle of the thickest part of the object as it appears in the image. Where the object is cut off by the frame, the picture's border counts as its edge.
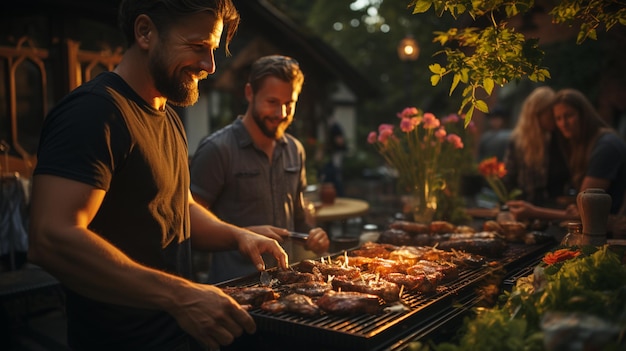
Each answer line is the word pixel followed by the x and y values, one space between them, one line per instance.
pixel 349 302
pixel 251 295
pixel 388 291
pixel 397 237
pixel 311 288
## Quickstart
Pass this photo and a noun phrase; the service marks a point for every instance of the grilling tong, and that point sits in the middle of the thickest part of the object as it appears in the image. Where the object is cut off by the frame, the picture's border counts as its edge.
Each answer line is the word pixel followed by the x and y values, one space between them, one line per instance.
pixel 298 236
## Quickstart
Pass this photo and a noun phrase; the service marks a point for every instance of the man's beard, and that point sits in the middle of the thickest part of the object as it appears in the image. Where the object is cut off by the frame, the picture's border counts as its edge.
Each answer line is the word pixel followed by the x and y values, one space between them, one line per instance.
pixel 260 122
pixel 181 90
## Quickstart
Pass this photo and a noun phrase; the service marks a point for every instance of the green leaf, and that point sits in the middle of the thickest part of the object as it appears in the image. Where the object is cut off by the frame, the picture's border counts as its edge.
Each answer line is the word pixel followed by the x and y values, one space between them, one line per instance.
pixel 455 81
pixel 436 68
pixel 434 79
pixel 514 193
pixel 481 105
pixel 468 116
pixel 488 84
pixel 421 6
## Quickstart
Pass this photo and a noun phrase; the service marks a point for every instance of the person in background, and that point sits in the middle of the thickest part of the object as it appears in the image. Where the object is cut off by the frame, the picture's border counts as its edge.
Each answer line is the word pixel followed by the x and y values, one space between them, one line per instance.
pixel 494 140
pixel 252 173
pixel 534 159
pixel 336 148
pixel 112 216
pixel 596 156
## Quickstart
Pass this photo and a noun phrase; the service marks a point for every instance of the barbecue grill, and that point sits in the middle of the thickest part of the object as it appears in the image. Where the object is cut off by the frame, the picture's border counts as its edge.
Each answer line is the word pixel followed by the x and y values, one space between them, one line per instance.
pixel 426 315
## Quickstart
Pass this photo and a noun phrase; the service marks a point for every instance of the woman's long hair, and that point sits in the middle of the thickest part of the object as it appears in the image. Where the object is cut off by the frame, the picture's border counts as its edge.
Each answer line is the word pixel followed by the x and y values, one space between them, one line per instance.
pixel 590 127
pixel 529 137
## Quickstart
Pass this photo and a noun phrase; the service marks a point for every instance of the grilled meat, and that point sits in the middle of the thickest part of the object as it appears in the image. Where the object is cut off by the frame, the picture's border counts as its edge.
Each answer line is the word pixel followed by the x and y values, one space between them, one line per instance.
pixel 411 227
pixel 294 303
pixel 486 247
pixel 388 291
pixel 417 283
pixel 251 295
pixel 349 302
pixel 440 227
pixel 312 288
pixel 449 271
pixel 329 269
pixel 290 276
pixel 370 249
pixel 395 237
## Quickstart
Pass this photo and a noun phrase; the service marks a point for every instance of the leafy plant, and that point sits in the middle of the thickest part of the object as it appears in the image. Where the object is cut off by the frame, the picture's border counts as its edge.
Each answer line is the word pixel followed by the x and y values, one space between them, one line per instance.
pixel 587 282
pixel 496 53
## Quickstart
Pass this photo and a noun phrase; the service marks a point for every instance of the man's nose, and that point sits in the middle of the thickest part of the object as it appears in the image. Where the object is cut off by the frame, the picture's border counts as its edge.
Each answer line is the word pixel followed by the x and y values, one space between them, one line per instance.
pixel 207 63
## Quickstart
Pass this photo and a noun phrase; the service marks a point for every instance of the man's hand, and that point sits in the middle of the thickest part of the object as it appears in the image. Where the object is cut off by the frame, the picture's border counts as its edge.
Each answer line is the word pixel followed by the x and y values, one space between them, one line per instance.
pixel 253 245
pixel 210 315
pixel 278 234
pixel 521 209
pixel 317 241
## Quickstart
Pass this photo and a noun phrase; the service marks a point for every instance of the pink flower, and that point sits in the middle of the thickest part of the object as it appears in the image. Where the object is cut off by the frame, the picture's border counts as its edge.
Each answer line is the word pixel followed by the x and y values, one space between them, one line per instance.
pixel 385 134
pixel 371 137
pixel 408 124
pixel 430 121
pixel 408 112
pixel 455 140
pixel 441 133
pixel 451 118
pixel 385 126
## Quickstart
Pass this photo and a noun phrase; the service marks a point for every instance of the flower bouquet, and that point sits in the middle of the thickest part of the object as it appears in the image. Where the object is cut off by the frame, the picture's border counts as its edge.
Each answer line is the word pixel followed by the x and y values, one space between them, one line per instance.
pixel 420 152
pixel 493 172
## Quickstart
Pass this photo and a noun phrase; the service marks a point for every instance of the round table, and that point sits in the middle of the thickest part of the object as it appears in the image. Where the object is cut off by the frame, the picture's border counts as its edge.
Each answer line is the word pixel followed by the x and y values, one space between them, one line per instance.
pixel 343 208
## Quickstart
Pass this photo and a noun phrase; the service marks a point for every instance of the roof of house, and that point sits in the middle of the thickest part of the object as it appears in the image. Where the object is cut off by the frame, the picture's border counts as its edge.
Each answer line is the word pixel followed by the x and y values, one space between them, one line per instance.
pixel 258 15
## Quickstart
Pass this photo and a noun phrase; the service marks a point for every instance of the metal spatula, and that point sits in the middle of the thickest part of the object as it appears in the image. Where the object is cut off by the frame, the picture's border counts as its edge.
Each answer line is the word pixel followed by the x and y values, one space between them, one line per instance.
pixel 265 278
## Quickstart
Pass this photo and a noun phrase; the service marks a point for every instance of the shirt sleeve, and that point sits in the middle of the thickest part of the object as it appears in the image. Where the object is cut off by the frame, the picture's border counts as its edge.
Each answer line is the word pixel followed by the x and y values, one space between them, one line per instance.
pixel 83 139
pixel 606 158
pixel 207 172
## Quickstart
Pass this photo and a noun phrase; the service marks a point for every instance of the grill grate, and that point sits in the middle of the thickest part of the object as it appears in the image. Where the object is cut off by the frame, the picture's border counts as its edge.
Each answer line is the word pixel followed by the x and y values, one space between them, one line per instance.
pixel 367 332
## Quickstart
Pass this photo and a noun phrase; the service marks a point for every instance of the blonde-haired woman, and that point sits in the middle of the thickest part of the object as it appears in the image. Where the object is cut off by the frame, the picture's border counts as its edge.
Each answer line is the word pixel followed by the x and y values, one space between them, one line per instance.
pixel 596 154
pixel 534 160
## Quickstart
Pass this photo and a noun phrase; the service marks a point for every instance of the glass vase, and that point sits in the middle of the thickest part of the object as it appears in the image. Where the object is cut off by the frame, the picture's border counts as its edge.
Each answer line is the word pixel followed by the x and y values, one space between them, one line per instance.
pixel 421 206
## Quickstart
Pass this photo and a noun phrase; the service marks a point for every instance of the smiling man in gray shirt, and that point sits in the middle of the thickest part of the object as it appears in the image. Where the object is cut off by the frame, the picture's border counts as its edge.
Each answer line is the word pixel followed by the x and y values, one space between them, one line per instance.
pixel 252 174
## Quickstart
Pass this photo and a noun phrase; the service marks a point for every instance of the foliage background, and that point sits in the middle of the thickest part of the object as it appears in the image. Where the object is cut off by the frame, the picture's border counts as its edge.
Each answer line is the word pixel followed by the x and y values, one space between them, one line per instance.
pixel 372 29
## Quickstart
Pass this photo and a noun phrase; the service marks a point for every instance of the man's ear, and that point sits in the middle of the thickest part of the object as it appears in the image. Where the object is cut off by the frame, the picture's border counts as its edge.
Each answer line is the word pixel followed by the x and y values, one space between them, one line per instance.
pixel 249 93
pixel 144 29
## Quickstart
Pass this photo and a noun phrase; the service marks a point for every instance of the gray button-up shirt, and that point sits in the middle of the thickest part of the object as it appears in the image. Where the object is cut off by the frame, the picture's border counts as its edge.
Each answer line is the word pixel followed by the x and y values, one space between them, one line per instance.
pixel 242 187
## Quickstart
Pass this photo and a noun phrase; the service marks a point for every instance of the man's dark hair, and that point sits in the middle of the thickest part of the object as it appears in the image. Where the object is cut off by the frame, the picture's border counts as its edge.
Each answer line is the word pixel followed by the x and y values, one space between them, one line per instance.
pixel 282 67
pixel 165 13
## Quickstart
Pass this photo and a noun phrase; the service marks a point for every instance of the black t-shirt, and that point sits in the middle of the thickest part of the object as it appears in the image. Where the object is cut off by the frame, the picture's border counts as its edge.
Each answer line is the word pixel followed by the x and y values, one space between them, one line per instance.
pixel 103 134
